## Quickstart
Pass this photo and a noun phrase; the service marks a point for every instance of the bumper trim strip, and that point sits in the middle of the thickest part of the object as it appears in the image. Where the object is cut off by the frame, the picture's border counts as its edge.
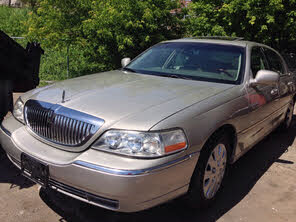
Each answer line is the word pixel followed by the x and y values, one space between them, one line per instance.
pixel 87 197
pixel 134 172
pixel 5 130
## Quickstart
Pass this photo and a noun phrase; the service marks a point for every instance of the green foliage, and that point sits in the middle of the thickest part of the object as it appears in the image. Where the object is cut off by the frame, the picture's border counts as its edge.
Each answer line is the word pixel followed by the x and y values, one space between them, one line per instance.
pixel 54 63
pixel 204 19
pixel 32 3
pixel 58 23
pixel 268 21
pixel 101 32
pixel 124 28
pixel 12 20
pixel 104 31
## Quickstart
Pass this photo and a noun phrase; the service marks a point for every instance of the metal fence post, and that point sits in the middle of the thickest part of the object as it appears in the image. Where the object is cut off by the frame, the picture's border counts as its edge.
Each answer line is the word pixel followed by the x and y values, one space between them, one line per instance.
pixel 68 62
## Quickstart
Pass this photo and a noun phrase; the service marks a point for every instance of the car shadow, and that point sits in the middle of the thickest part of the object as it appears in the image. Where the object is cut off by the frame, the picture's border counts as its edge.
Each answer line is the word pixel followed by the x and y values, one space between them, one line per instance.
pixel 11 174
pixel 243 175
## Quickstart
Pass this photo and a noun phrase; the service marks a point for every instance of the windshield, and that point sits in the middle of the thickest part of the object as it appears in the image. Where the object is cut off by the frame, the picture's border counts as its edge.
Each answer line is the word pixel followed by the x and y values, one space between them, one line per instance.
pixel 197 61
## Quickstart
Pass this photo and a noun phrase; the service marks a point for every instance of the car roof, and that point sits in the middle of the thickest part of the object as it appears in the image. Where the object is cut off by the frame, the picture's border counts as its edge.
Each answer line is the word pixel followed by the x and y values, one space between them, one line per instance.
pixel 234 42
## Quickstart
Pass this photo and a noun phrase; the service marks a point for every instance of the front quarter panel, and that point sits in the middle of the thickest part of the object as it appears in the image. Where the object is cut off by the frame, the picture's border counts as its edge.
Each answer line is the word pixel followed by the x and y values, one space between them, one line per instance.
pixel 201 120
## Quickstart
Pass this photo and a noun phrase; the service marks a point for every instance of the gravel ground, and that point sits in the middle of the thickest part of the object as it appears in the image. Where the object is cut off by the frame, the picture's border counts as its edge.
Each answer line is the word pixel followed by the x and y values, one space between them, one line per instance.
pixel 261 187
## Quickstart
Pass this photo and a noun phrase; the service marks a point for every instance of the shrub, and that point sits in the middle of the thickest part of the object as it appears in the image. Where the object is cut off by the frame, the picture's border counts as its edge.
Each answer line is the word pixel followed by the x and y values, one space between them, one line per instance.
pixel 12 20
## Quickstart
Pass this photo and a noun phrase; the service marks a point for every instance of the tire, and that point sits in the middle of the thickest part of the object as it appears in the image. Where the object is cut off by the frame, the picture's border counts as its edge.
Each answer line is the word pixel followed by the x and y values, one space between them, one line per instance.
pixel 287 123
pixel 200 194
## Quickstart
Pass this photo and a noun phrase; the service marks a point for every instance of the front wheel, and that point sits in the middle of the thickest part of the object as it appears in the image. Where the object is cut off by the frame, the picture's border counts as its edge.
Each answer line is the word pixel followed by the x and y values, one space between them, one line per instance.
pixel 209 176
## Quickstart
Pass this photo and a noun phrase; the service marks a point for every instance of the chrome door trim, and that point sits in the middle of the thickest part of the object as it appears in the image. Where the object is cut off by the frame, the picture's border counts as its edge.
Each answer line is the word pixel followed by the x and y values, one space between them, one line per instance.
pixel 263 120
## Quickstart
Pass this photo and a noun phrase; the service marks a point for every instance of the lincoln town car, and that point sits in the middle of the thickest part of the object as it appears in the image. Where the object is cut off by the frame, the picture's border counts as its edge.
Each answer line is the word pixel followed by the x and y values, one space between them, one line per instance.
pixel 168 123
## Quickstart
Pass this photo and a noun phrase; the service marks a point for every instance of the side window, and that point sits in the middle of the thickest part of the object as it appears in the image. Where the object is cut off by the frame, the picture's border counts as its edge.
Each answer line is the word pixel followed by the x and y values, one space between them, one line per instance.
pixel 275 62
pixel 258 61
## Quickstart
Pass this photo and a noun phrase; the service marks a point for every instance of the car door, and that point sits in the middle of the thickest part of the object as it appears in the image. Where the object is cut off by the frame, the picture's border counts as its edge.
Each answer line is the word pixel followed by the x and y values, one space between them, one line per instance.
pixel 263 100
pixel 286 83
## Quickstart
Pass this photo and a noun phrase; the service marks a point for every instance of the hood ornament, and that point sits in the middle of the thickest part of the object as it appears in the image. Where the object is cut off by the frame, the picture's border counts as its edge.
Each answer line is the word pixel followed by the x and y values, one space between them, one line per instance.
pixel 63 96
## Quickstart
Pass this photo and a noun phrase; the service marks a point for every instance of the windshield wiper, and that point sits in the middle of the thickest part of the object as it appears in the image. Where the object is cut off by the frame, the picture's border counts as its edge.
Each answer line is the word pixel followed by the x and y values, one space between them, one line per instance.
pixel 128 69
pixel 175 76
pixel 224 71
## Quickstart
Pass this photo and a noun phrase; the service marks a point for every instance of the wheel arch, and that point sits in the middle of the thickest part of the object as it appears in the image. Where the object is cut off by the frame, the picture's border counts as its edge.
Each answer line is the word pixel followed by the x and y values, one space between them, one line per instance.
pixel 195 184
pixel 230 131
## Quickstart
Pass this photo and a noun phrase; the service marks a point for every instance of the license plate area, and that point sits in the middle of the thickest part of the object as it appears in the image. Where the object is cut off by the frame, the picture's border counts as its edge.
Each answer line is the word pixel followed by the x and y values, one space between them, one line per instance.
pixel 34 170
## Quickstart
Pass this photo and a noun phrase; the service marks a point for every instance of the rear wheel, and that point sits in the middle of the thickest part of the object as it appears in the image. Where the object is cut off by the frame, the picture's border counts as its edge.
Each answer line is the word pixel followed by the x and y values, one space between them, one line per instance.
pixel 210 173
pixel 288 118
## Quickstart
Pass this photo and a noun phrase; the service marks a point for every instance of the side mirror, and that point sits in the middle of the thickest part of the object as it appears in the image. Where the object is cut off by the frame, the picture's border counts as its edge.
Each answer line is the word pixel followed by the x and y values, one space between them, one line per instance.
pixel 265 77
pixel 125 62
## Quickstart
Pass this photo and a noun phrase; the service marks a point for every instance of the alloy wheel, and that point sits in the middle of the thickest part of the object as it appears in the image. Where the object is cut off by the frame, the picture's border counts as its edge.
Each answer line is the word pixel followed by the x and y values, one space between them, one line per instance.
pixel 214 171
pixel 289 116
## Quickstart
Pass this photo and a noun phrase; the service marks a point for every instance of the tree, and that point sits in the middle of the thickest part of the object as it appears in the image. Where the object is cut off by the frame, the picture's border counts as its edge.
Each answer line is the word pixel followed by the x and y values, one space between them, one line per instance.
pixel 268 21
pixel 102 32
pixel 124 28
pixel 205 19
pixel 58 23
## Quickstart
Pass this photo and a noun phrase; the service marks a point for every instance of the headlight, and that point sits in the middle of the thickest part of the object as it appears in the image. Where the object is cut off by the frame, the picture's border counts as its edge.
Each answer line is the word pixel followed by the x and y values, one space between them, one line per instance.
pixel 142 144
pixel 18 110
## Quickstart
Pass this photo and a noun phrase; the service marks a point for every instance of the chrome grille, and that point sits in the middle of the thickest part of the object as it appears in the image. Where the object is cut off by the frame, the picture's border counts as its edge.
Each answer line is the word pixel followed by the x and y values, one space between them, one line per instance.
pixel 59 124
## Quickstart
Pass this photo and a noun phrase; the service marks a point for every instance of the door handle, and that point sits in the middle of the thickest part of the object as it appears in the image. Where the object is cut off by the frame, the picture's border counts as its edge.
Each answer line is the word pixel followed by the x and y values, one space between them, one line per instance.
pixel 291 86
pixel 274 92
pixel 254 106
pixel 290 83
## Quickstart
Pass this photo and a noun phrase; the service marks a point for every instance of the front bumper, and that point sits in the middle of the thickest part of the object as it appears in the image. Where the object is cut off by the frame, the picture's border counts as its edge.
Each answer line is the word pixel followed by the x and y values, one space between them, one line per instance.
pixel 127 185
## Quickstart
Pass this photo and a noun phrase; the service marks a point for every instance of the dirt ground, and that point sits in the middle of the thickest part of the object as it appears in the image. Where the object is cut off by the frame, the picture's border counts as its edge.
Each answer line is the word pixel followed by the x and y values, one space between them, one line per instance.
pixel 261 187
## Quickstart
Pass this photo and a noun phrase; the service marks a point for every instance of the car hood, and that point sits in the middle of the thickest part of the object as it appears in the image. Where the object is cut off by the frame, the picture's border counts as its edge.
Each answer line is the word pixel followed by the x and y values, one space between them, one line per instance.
pixel 127 100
